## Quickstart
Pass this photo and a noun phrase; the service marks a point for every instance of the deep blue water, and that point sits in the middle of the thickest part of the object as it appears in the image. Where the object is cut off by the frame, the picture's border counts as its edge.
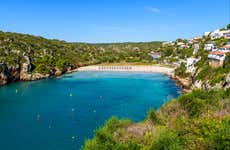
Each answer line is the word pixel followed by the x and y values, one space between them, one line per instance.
pixel 60 113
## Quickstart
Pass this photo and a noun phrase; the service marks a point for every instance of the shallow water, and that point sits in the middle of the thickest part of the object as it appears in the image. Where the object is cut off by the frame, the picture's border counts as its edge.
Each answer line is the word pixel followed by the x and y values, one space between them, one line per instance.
pixel 60 113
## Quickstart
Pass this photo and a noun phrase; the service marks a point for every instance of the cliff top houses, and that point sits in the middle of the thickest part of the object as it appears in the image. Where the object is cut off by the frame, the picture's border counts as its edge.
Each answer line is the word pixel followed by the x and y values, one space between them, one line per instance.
pixel 218 34
pixel 217 55
pixel 217 58
pixel 210 46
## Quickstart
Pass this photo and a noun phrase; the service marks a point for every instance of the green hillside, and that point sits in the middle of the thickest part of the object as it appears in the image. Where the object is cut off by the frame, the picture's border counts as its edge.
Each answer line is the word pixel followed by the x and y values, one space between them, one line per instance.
pixel 198 120
pixel 27 57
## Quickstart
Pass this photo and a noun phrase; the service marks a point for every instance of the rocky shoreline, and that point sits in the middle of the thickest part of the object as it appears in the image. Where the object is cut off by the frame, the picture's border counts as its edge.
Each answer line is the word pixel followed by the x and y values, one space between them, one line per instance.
pixel 22 73
pixel 10 74
pixel 184 83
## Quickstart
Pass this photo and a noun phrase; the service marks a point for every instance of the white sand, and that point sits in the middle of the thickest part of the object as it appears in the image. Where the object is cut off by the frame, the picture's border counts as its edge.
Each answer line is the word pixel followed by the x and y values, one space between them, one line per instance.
pixel 131 68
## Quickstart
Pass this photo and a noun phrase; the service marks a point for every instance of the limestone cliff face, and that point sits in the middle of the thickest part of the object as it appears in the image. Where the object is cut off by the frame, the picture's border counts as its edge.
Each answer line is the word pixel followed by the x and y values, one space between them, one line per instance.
pixel 23 72
pixel 26 71
pixel 197 84
pixel 9 73
pixel 3 74
pixel 227 81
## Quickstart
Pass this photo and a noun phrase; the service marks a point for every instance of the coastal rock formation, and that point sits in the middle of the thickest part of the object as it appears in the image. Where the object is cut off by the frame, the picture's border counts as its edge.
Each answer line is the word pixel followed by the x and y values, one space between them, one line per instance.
pixel 21 72
pixel 24 75
pixel 227 81
pixel 3 74
pixel 37 76
pixel 228 78
pixel 197 84
pixel 185 83
pixel 57 72
pixel 25 69
pixel 8 74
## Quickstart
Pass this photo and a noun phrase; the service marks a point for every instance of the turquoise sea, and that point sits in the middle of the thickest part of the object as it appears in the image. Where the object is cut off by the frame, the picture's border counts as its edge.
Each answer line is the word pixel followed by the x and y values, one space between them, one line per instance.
pixel 60 113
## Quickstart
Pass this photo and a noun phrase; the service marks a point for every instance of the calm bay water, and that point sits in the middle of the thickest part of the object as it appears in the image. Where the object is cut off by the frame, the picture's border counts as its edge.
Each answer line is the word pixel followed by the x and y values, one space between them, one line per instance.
pixel 60 113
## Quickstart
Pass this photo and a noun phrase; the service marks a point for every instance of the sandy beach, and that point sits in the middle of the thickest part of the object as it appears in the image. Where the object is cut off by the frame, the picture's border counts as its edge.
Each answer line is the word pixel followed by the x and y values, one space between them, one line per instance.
pixel 129 68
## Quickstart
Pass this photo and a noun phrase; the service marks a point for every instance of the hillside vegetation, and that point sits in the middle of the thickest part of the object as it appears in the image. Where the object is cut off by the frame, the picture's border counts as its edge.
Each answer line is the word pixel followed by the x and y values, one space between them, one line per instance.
pixel 27 57
pixel 198 120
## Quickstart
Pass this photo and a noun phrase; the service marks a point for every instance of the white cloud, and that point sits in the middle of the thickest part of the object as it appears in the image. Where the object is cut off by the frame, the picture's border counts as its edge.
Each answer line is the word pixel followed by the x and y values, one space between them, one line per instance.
pixel 152 9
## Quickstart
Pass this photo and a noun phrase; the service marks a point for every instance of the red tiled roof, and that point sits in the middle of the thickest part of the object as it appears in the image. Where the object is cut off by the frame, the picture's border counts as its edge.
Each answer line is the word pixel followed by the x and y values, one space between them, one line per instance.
pixel 217 53
pixel 226 46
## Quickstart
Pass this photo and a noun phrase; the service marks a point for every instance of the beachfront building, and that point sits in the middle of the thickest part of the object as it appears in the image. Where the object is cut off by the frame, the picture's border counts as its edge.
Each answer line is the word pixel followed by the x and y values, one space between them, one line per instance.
pixel 217 58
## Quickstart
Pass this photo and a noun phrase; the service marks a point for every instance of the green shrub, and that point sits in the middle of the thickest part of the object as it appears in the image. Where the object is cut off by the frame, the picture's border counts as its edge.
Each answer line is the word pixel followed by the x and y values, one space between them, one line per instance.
pixel 152 116
pixel 42 68
pixel 181 71
pixel 221 136
pixel 105 137
pixel 165 140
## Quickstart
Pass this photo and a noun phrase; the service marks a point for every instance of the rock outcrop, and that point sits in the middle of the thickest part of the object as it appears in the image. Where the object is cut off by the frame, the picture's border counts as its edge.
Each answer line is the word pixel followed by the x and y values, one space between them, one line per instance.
pixel 3 74
pixel 227 81
pixel 26 69
pixel 23 71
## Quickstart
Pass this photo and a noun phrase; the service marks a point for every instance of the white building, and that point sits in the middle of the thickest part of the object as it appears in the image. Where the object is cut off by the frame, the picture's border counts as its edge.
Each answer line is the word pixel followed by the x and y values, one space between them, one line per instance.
pixel 168 43
pixel 216 58
pixel 190 64
pixel 206 33
pixel 180 43
pixel 196 48
pixel 209 46
pixel 226 34
pixel 225 49
pixel 155 55
pixel 183 46
pixel 218 34
pixel 228 42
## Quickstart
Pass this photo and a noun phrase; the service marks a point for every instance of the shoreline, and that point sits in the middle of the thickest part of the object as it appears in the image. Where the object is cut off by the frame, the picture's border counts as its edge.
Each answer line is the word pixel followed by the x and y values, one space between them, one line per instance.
pixel 156 68
pixel 129 68
pixel 166 70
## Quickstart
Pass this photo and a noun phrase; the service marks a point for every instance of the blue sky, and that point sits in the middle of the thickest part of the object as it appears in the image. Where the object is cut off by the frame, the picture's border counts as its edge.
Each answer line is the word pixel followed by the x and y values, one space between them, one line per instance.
pixel 113 20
